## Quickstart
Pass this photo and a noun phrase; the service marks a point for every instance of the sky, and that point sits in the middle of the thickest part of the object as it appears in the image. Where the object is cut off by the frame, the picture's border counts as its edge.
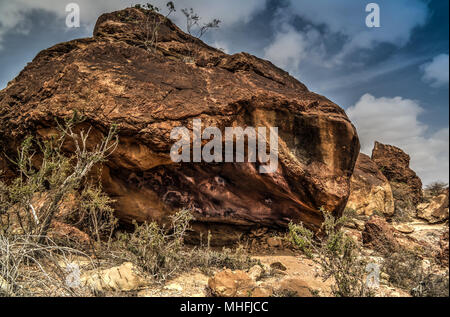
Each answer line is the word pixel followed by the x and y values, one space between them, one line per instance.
pixel 393 80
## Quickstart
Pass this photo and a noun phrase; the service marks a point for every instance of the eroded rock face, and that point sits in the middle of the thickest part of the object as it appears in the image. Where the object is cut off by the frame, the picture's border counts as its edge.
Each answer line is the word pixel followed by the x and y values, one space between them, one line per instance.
pixel 370 191
pixel 379 235
pixel 406 185
pixel 435 210
pixel 111 78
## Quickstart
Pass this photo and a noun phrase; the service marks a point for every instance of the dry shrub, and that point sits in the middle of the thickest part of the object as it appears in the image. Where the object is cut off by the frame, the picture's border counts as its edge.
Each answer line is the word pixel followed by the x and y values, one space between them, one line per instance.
pixel 432 285
pixel 94 214
pixel 336 253
pixel 155 249
pixel 162 253
pixel 208 259
pixel 406 271
pixel 31 264
pixel 151 24
pixel 43 167
pixel 436 188
pixel 28 268
pixel 196 30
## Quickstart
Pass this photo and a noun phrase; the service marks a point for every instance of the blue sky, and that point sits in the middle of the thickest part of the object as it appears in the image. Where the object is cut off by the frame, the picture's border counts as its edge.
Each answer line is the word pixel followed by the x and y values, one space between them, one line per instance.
pixel 392 80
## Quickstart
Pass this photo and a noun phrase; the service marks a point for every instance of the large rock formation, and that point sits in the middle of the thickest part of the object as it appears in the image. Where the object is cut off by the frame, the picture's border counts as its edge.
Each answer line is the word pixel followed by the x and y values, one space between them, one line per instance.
pixel 370 191
pixel 112 78
pixel 406 185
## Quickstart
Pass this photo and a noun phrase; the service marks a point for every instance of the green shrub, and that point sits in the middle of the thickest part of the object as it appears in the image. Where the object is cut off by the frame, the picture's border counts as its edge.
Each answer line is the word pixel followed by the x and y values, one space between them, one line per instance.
pixel 157 250
pixel 45 171
pixel 208 259
pixel 95 214
pixel 336 253
pixel 161 251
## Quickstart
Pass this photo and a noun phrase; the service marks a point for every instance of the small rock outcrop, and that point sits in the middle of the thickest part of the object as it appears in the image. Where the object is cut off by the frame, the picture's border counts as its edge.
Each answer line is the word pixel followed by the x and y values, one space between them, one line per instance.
pixel 436 209
pixel 229 283
pixel 370 190
pixel 379 235
pixel 125 278
pixel 406 185
pixel 112 78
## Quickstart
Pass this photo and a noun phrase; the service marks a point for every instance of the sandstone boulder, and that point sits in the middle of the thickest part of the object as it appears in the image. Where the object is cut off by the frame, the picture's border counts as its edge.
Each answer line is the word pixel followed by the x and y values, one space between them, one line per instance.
pixel 121 278
pixel 435 210
pixel 229 283
pixel 406 185
pixel 295 287
pixel 274 242
pixel 256 272
pixel 379 235
pixel 112 78
pixel 404 228
pixel 370 190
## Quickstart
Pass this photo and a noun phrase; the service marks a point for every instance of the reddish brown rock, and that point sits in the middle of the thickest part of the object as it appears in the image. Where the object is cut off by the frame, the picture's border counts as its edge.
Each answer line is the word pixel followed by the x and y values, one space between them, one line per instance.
pixel 406 185
pixel 69 234
pixel 295 287
pixel 229 283
pixel 3 165
pixel 274 242
pixel 111 78
pixel 5 171
pixel 370 190
pixel 379 235
pixel 444 253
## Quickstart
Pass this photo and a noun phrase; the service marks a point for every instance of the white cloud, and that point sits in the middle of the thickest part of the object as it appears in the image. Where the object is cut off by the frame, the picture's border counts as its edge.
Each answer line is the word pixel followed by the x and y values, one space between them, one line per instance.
pixel 13 14
pixel 436 72
pixel 368 73
pixel 287 49
pixel 347 20
pixel 395 121
pixel 11 18
pixel 291 46
pixel 398 19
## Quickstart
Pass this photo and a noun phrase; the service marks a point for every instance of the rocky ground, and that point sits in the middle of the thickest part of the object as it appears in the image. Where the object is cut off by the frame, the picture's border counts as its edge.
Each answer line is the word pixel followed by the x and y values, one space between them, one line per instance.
pixel 281 270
